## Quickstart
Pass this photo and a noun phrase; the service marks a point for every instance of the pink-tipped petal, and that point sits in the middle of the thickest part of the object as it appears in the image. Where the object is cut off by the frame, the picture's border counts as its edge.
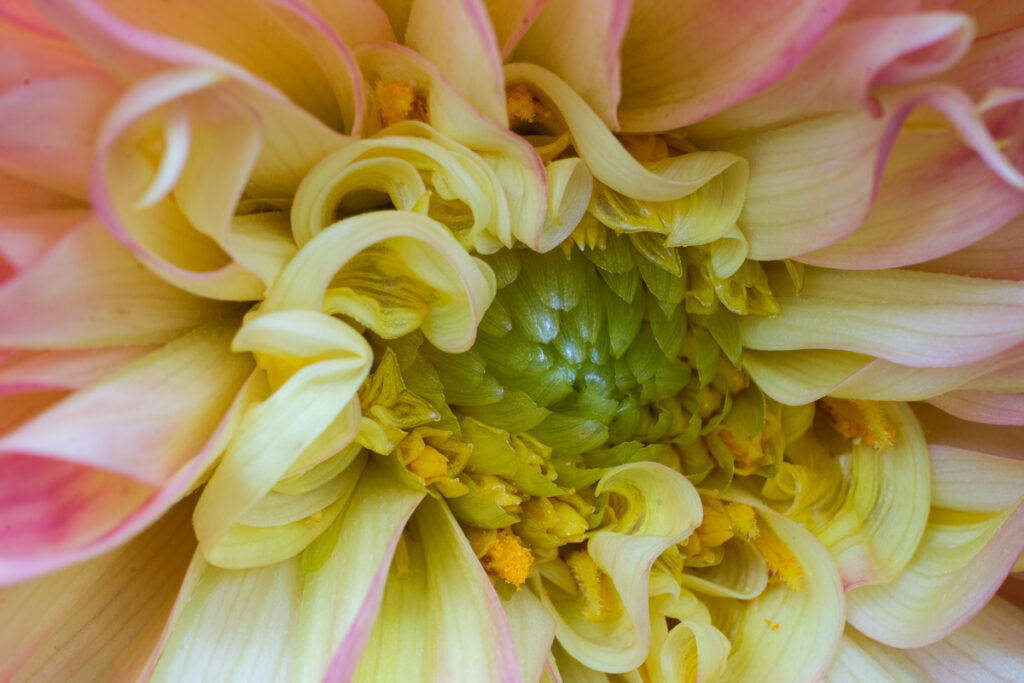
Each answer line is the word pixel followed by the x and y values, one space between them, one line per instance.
pixel 97 620
pixel 1000 256
pixel 983 406
pixel 590 61
pixel 29 54
pixel 684 62
pixel 457 36
pixel 24 239
pixel 63 370
pixel 88 290
pixel 511 19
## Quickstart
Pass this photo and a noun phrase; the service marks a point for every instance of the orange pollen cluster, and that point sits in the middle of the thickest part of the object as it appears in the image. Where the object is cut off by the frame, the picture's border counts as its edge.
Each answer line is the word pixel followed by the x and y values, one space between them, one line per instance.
pixel 523 107
pixel 398 101
pixel 859 419
pixel 508 559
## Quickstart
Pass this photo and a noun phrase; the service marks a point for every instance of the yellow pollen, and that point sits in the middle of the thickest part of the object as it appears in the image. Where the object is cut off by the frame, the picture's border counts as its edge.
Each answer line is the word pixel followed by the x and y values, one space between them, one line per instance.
pixel 523 107
pixel 742 519
pixel 590 580
pixel 430 464
pixel 782 565
pixel 859 419
pixel 508 559
pixel 398 101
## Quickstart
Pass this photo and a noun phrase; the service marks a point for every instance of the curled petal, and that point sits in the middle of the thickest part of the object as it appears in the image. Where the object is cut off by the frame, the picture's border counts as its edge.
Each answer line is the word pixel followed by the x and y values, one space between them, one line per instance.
pixel 664 509
pixel 433 255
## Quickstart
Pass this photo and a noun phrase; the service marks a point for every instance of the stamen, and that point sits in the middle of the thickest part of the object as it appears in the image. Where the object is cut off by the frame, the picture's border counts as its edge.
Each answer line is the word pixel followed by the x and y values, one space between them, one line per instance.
pixel 523 107
pixel 591 583
pixel 782 565
pixel 398 101
pixel 508 559
pixel 860 420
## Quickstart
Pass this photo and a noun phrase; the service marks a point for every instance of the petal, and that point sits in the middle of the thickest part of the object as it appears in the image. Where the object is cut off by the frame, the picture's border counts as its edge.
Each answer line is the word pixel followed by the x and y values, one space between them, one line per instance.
pixel 150 418
pixel 986 649
pixel 24 239
pixel 88 290
pixel 664 509
pixel 915 319
pixel 344 575
pixel 38 127
pixel 810 621
pixel 962 559
pixel 875 531
pixel 983 406
pixel 440 605
pixel 681 64
pixel 440 262
pixel 471 62
pixel 65 521
pixel 233 625
pixel 959 474
pixel 533 631
pixel 945 430
pixel 67 370
pixel 511 19
pixel 999 256
pixel 99 619
pixel 862 660
pixel 599 28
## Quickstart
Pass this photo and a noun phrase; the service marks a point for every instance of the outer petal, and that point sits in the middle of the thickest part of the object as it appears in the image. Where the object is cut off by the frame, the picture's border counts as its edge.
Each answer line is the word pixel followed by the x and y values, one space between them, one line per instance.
pixel 684 62
pixel 88 291
pixel 533 631
pixel 439 604
pixel 862 660
pixel 511 19
pixel 60 518
pixel 987 649
pixel 999 256
pixel 884 313
pixel 99 619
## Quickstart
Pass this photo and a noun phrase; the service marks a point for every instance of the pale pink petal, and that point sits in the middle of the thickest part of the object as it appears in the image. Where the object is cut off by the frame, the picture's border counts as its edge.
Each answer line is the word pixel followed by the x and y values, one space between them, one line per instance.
pixel 945 430
pixel 24 239
pixel 683 62
pixel 88 290
pixel 457 37
pixel 68 513
pixel 511 19
pixel 983 406
pixel 999 256
pixel 993 16
pixel 29 54
pixel 63 370
pixel 852 59
pixel 38 126
pixel 19 197
pixel 99 619
pixel 987 649
pixel 590 62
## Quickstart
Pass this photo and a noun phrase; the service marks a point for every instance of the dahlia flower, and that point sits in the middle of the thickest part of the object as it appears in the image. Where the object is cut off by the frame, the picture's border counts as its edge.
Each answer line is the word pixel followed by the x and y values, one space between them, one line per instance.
pixel 469 340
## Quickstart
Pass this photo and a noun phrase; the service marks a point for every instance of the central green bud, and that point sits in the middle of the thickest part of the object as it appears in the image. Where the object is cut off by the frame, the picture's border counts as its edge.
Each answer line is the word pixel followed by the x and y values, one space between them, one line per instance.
pixel 579 348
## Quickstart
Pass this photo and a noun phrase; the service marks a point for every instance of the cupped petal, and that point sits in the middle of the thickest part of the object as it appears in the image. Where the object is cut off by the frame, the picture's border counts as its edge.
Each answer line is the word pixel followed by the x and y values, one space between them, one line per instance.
pixel 787 634
pixel 663 508
pixel 439 604
pixel 987 649
pixel 472 61
pixel 915 319
pixel 682 63
pixel 874 533
pixel 37 126
pixel 428 249
pixel 518 167
pixel 99 619
pixel 598 29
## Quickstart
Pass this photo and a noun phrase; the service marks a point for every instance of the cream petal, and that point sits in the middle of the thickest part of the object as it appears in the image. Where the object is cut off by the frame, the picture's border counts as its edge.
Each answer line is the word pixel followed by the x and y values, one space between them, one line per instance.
pixel 440 605
pixel 862 660
pixel 998 256
pixel 533 631
pixel 511 19
pixel 99 619
pixel 983 406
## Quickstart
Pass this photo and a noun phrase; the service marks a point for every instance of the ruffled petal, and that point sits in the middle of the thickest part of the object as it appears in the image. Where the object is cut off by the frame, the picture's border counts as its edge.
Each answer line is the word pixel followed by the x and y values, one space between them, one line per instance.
pixel 101 618
pixel 440 618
